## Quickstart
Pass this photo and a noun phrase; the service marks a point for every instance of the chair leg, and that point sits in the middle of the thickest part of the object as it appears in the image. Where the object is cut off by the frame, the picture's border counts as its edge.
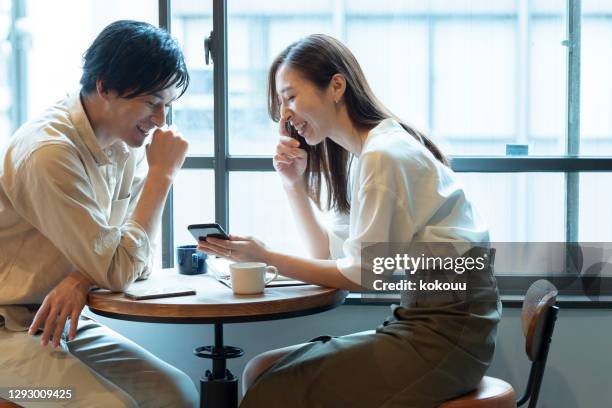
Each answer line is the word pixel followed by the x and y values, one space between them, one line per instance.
pixel 540 365
pixel 537 382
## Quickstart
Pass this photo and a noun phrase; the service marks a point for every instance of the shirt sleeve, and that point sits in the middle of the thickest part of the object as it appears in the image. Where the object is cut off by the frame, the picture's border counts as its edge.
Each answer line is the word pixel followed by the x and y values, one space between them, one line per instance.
pixel 337 226
pixel 376 210
pixel 140 175
pixel 56 196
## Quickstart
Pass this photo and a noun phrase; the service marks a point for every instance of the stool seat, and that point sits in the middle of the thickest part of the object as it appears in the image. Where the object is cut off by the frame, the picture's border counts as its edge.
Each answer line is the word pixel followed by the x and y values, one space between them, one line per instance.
pixel 491 393
pixel 8 404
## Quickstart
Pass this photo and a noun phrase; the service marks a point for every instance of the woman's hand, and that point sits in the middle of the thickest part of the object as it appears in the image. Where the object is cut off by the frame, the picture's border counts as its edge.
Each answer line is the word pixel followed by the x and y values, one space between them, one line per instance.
pixel 289 160
pixel 237 248
pixel 66 300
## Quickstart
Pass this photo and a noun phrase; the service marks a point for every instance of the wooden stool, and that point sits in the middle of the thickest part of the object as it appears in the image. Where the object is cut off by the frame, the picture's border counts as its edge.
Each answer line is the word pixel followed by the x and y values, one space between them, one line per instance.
pixel 491 393
pixel 8 404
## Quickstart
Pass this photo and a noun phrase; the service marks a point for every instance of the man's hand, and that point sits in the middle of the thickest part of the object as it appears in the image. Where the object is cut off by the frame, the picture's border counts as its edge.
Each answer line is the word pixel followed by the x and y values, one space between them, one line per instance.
pixel 65 301
pixel 166 152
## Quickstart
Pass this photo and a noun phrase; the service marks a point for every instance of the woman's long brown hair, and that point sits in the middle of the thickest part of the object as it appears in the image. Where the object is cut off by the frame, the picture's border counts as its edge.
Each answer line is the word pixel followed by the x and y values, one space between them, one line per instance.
pixel 318 58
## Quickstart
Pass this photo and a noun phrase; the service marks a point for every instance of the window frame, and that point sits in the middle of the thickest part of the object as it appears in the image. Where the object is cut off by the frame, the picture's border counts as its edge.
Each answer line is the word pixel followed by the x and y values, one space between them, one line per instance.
pixel 222 163
pixel 17 66
pixel 571 164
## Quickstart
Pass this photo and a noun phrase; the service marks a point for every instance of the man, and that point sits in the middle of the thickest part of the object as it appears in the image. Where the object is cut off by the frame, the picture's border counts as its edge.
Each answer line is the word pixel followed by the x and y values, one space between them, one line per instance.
pixel 79 208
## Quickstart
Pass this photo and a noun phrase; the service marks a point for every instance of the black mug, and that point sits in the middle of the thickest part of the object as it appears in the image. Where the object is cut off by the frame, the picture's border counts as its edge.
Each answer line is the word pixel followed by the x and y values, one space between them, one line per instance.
pixel 190 261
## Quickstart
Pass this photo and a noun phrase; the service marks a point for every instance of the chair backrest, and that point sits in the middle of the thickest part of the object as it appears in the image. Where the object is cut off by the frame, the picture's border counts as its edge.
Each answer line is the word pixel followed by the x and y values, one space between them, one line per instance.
pixel 540 297
pixel 538 317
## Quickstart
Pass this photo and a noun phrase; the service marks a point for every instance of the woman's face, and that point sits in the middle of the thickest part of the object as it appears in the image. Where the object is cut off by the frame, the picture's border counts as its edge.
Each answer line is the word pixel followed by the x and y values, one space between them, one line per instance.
pixel 311 111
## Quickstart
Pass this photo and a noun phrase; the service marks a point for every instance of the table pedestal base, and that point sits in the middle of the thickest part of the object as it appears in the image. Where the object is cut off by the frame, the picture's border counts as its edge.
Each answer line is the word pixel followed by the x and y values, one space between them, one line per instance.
pixel 219 387
pixel 219 393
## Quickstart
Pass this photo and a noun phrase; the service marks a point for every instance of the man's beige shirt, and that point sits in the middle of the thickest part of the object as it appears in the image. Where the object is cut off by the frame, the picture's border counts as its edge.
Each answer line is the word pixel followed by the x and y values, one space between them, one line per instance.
pixel 66 204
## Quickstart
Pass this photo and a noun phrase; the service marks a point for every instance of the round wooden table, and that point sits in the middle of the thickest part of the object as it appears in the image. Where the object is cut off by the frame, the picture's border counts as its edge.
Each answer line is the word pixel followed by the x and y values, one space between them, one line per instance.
pixel 214 303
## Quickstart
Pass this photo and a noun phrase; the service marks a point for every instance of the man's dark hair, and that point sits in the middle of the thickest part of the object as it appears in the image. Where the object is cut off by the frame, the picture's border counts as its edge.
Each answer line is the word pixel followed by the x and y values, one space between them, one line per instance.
pixel 134 58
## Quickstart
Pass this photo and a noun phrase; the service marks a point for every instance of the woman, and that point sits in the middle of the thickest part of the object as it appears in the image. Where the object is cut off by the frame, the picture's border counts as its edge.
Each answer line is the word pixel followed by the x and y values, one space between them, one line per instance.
pixel 400 190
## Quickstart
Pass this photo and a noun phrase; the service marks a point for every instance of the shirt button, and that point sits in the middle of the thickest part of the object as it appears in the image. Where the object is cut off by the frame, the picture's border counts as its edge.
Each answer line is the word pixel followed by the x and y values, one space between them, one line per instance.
pixel 109 153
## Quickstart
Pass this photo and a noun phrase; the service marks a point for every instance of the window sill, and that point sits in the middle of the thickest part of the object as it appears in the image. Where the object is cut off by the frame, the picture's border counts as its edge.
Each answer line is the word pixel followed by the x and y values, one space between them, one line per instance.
pixel 508 301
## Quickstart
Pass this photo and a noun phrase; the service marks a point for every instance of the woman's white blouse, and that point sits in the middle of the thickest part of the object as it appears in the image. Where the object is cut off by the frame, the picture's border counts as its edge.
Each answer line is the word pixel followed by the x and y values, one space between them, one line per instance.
pixel 400 193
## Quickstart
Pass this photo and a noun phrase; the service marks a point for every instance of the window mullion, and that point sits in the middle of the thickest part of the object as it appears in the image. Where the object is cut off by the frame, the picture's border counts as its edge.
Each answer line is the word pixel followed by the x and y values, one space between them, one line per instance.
pixel 167 221
pixel 219 48
pixel 573 44
pixel 18 66
pixel 572 185
pixel 460 164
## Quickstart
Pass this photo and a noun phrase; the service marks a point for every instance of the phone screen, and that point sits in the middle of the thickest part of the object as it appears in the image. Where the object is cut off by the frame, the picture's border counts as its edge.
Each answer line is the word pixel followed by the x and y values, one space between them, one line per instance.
pixel 201 231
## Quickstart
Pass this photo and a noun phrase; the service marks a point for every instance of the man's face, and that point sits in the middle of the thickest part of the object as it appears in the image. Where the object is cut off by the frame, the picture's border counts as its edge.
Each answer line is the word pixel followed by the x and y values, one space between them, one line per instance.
pixel 132 120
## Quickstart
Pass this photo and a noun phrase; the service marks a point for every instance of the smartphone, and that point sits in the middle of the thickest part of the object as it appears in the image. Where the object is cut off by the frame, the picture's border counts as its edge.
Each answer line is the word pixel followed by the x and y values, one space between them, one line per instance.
pixel 201 231
pixel 156 293
pixel 293 133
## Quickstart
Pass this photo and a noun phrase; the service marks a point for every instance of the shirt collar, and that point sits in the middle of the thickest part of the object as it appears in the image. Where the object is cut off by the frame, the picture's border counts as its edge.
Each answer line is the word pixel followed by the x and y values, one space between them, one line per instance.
pixel 117 152
pixel 384 126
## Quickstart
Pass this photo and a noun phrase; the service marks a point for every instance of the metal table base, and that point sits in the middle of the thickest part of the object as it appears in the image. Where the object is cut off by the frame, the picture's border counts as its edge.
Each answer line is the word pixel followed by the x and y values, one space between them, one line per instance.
pixel 219 387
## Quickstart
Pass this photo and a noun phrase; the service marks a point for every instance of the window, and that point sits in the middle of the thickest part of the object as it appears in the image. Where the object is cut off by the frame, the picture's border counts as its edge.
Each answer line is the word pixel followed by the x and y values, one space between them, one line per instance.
pixel 46 41
pixel 596 82
pixel 6 74
pixel 462 70
pixel 69 26
pixel 478 76
pixel 257 32
pixel 595 202
pixel 193 113
pixel 519 207
pixel 475 75
pixel 267 215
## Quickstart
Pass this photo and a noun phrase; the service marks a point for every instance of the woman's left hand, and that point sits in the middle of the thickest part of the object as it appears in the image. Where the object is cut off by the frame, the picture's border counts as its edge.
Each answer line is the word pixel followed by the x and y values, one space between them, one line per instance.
pixel 237 248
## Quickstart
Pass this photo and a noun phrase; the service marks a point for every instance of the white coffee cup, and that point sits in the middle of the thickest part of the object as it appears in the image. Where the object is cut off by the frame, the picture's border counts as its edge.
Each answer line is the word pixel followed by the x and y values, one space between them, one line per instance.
pixel 249 278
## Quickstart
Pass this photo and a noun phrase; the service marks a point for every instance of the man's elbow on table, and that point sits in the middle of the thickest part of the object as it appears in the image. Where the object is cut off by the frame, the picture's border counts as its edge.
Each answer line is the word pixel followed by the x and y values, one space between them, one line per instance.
pixel 118 281
pixel 117 285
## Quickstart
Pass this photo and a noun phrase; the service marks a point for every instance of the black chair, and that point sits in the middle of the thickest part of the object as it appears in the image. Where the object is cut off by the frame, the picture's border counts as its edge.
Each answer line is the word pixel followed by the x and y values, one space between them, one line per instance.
pixel 538 316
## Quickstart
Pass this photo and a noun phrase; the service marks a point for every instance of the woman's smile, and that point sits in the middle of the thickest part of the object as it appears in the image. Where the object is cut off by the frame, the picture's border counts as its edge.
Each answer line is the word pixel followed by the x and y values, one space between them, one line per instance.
pixel 301 128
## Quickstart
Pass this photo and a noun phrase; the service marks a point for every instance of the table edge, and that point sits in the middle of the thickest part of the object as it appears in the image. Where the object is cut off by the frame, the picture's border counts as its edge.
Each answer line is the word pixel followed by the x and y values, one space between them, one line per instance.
pixel 337 296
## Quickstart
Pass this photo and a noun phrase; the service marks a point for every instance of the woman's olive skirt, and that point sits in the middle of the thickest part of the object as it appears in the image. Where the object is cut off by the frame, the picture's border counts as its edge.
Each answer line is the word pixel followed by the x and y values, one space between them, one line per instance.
pixel 422 356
